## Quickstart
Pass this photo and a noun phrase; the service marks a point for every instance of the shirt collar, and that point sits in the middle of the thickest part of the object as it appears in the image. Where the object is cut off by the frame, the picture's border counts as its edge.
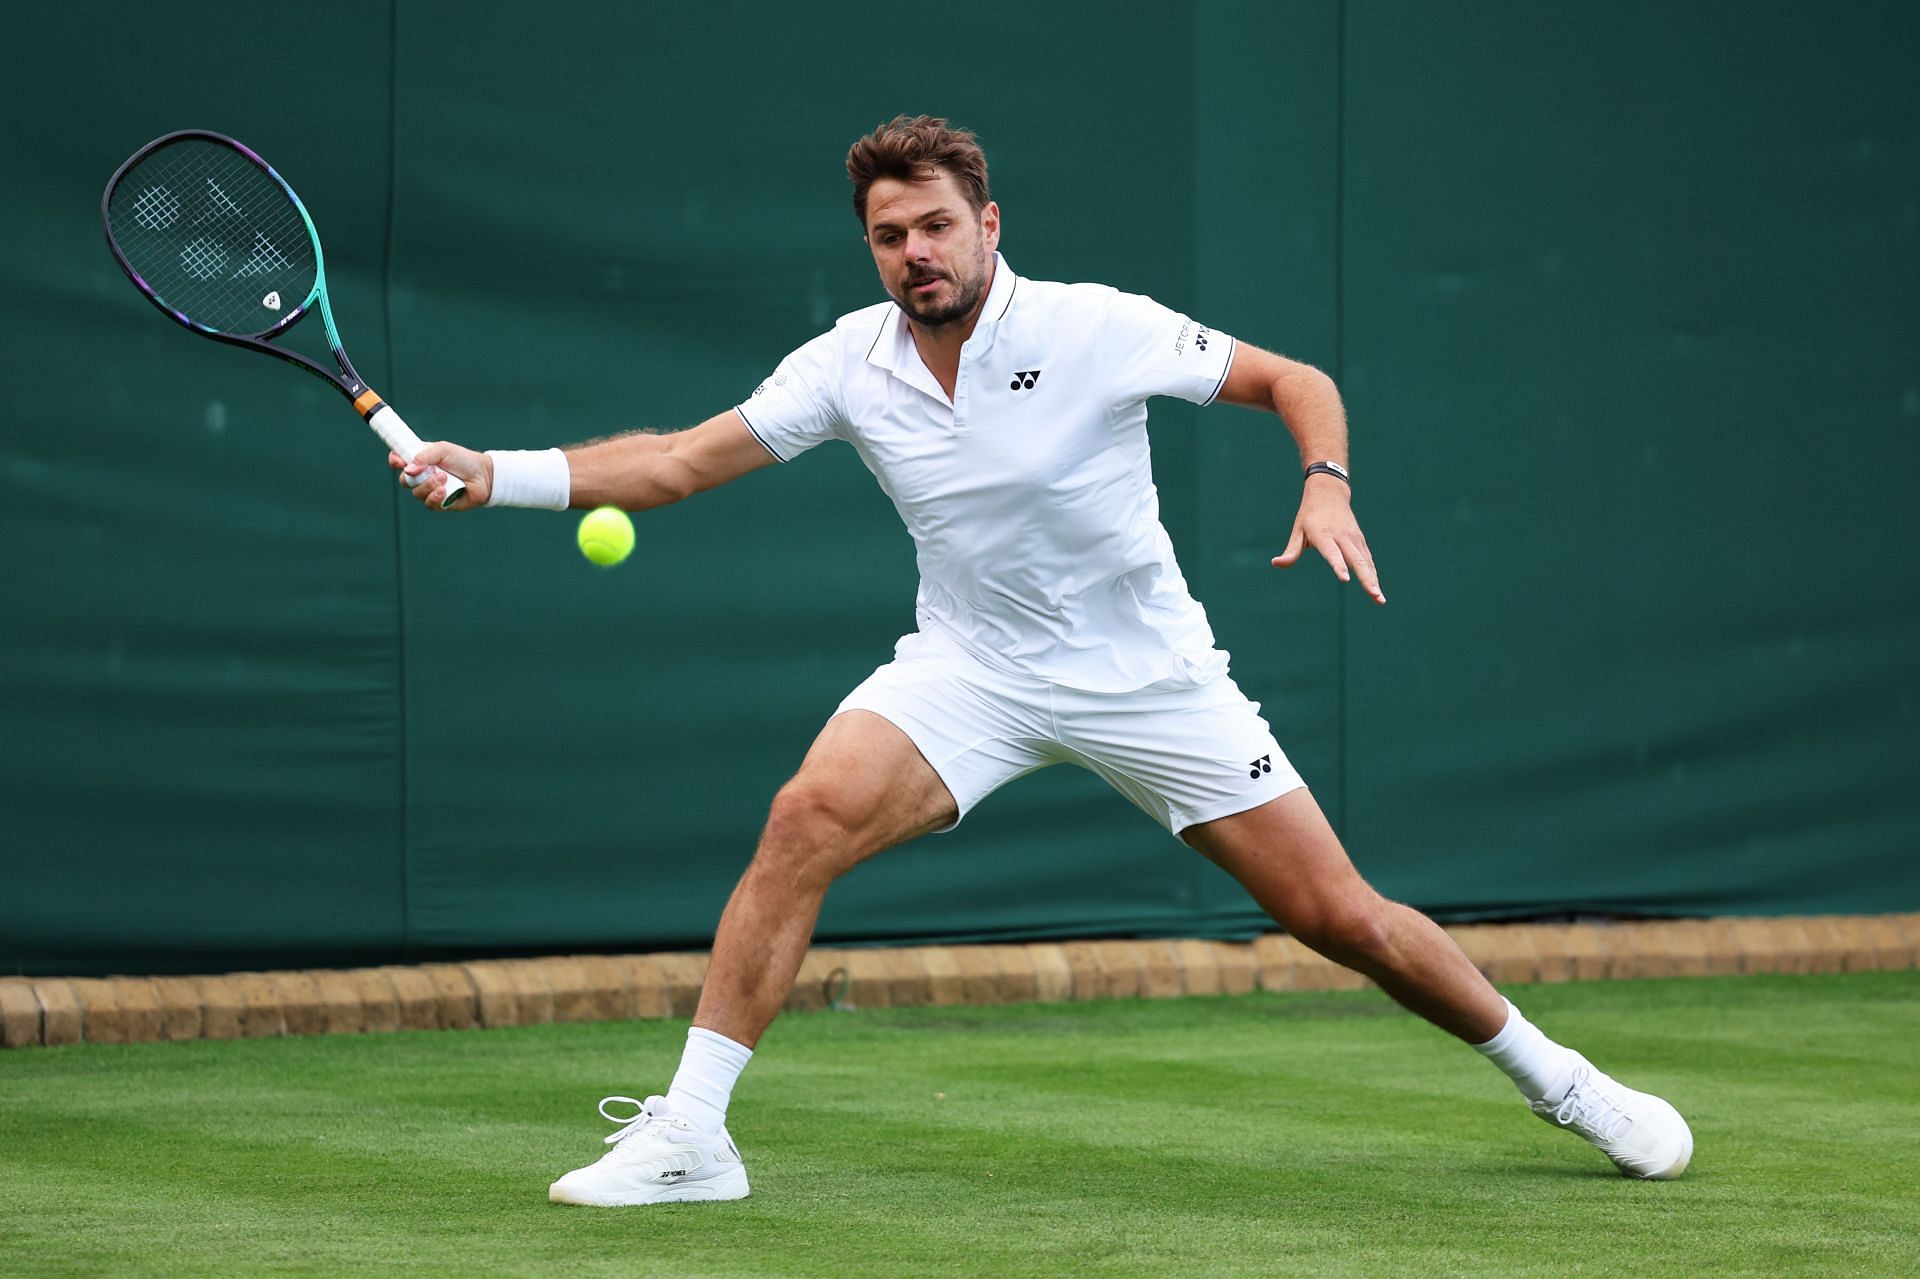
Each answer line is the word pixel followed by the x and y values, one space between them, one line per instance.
pixel 893 348
pixel 999 294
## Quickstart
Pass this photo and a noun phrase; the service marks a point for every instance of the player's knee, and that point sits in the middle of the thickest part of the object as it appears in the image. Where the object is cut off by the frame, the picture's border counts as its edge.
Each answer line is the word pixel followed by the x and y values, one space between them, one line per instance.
pixel 1350 933
pixel 811 831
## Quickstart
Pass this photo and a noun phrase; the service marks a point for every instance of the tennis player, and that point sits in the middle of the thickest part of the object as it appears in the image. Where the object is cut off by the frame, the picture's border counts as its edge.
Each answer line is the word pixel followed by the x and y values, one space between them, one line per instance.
pixel 1006 419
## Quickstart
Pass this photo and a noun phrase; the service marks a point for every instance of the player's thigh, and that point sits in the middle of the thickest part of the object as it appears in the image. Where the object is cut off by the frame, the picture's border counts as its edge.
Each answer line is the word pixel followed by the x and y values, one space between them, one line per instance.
pixel 1285 853
pixel 865 780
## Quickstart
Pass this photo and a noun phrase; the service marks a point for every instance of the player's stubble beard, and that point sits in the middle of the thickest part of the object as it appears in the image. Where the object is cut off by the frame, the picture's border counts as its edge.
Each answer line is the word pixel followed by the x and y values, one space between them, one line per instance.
pixel 966 292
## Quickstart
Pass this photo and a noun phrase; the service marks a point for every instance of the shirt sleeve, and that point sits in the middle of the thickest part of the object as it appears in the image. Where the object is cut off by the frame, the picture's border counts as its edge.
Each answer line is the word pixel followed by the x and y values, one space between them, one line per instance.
pixel 1158 351
pixel 795 408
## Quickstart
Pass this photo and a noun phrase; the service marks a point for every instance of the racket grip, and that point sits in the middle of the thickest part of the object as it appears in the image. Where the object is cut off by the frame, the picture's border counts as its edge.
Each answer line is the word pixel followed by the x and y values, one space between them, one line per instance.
pixel 399 437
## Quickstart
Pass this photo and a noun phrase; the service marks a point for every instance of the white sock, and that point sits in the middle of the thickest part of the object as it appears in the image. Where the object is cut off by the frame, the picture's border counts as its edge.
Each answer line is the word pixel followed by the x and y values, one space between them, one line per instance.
pixel 1539 1067
pixel 704 1083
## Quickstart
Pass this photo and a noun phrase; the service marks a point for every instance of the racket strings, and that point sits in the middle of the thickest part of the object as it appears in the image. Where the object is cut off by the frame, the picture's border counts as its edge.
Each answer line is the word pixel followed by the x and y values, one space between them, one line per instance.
pixel 213 237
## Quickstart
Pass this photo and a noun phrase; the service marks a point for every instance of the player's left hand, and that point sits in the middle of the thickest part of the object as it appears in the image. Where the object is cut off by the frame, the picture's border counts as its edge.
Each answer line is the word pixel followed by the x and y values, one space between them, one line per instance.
pixel 1326 523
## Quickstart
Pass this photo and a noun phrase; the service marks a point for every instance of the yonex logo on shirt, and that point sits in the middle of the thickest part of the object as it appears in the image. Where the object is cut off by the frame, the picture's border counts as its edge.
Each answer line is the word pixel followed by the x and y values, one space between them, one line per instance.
pixel 1262 765
pixel 1024 381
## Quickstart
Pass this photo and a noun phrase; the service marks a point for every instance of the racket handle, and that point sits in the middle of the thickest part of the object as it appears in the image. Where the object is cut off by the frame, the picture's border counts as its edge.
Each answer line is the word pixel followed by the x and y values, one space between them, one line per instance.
pixel 399 437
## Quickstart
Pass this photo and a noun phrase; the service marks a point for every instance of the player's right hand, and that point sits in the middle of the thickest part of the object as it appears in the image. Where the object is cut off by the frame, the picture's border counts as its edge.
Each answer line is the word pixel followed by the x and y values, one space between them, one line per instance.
pixel 474 468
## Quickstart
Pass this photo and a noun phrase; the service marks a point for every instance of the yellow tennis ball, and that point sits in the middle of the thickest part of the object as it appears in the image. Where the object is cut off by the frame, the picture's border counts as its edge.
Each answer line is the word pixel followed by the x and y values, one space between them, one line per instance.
pixel 606 536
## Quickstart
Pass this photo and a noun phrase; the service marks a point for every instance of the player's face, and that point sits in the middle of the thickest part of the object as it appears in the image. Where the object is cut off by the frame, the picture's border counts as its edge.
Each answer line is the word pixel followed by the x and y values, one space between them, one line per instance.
pixel 934 252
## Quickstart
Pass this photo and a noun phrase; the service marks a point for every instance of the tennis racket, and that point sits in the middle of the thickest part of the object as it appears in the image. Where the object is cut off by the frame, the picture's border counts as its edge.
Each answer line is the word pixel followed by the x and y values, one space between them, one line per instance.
pixel 218 241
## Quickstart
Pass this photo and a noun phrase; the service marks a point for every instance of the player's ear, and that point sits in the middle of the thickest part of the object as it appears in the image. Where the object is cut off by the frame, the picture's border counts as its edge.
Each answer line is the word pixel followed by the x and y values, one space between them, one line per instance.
pixel 990 225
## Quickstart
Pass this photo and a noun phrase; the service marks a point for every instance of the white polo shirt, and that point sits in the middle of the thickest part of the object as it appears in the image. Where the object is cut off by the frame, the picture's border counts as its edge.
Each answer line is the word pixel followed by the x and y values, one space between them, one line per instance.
pixel 1029 494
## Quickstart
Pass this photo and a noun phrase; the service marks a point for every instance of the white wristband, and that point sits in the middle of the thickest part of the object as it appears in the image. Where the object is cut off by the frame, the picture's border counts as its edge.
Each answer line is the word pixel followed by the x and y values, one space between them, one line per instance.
pixel 530 477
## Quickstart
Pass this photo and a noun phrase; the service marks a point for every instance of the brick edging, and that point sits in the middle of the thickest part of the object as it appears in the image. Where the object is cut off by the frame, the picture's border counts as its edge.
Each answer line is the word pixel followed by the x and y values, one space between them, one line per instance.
pixel 518 992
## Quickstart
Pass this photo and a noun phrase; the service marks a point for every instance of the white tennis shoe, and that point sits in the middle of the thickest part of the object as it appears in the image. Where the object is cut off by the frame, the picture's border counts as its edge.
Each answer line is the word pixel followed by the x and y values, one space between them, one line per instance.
pixel 1643 1135
pixel 657 1157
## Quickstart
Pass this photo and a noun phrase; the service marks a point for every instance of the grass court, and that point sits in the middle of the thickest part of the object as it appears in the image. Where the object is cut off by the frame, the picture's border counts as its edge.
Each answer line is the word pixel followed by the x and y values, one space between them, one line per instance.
pixel 1270 1134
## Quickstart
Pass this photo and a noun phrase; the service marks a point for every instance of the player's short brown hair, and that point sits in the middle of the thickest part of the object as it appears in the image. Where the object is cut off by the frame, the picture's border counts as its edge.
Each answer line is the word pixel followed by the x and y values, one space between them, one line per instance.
pixel 917 149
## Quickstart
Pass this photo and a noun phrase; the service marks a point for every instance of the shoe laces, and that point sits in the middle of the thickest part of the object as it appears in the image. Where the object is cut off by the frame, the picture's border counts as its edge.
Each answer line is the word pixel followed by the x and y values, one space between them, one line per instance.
pixel 1589 1108
pixel 652 1112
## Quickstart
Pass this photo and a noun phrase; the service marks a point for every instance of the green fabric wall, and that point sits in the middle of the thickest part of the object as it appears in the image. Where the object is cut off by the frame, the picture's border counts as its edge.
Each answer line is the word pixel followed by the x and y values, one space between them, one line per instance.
pixel 1630 295
pixel 1622 304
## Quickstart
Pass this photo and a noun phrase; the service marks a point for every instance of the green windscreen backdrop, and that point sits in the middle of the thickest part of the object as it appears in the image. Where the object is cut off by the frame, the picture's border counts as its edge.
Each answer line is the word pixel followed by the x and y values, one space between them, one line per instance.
pixel 1622 300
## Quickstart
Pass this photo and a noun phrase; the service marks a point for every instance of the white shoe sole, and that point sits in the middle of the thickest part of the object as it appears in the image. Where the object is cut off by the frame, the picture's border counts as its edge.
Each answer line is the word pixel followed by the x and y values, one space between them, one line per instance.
pixel 731 1184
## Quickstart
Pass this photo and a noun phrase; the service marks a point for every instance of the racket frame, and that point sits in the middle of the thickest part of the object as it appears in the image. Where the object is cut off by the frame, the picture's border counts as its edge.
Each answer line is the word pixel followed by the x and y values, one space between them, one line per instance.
pixel 378 414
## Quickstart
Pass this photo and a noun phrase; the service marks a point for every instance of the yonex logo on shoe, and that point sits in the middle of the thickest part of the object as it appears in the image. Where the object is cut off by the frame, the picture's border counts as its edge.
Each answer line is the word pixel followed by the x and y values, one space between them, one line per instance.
pixel 1200 338
pixel 1024 381
pixel 1262 765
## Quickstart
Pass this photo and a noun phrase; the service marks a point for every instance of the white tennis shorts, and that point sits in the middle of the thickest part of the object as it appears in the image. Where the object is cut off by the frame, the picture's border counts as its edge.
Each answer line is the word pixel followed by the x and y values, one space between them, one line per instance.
pixel 1182 755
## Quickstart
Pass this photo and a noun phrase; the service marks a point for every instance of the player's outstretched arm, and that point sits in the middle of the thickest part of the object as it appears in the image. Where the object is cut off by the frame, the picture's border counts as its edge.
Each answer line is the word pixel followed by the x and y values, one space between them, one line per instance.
pixel 1309 403
pixel 636 471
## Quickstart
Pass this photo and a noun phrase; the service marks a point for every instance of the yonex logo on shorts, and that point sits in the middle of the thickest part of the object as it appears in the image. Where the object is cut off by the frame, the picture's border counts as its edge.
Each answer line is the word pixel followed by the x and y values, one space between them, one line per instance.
pixel 1024 381
pixel 1262 765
